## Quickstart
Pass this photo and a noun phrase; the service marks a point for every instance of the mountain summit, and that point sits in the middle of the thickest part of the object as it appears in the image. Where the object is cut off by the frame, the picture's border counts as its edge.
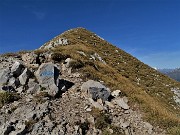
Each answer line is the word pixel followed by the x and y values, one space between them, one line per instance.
pixel 79 84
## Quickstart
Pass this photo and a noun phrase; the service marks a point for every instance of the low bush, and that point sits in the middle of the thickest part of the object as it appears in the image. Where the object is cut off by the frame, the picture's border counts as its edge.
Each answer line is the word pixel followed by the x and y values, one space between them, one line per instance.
pixel 39 98
pixel 58 56
pixel 8 97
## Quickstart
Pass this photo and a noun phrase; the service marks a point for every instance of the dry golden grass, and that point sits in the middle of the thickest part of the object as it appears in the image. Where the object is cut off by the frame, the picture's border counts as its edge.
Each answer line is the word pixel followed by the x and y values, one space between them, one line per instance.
pixel 152 93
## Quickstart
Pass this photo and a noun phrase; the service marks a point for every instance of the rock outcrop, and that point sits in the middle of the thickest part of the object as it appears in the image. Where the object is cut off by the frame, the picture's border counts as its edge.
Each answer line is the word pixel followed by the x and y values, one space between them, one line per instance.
pixel 40 111
pixel 4 76
pixel 67 94
pixel 96 90
pixel 47 76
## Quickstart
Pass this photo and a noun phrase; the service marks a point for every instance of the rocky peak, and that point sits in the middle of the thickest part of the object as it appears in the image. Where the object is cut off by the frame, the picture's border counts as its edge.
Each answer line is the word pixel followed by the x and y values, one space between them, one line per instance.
pixel 79 84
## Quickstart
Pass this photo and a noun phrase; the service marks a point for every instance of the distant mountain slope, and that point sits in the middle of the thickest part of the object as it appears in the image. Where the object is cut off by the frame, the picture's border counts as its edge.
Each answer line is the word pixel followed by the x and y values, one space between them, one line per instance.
pixel 173 73
pixel 165 71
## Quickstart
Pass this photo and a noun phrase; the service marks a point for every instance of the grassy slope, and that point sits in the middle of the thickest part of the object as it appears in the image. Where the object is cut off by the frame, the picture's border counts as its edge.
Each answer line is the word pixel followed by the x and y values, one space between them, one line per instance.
pixel 152 94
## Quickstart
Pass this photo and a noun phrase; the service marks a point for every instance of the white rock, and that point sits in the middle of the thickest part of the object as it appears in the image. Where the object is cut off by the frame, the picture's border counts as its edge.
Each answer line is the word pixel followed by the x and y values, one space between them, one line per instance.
pixel 109 104
pixel 17 69
pixel 125 124
pixel 23 78
pixel 116 93
pixel 149 127
pixel 96 90
pixel 4 76
pixel 120 102
pixel 95 104
pixel 47 76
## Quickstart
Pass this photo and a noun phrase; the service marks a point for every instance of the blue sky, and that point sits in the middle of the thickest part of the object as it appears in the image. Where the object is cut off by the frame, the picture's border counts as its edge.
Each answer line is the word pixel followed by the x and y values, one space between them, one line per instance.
pixel 147 29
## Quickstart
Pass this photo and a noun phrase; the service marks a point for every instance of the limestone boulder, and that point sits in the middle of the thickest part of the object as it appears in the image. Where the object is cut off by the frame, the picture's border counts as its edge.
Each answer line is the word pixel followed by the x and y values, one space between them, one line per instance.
pixel 14 82
pixel 47 76
pixel 68 61
pixel 17 69
pixel 24 77
pixel 96 90
pixel 116 93
pixel 4 76
pixel 122 102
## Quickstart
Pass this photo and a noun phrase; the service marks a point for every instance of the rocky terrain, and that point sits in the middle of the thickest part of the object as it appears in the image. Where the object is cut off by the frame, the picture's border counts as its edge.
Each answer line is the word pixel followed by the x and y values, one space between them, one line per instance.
pixel 69 88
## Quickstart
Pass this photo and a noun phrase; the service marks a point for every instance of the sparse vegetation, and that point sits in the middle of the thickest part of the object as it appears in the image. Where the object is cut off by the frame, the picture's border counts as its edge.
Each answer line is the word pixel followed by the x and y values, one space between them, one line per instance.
pixel 23 52
pixel 8 97
pixel 10 54
pixel 39 98
pixel 142 84
pixel 76 64
pixel 57 56
pixel 40 51
pixel 29 124
pixel 102 119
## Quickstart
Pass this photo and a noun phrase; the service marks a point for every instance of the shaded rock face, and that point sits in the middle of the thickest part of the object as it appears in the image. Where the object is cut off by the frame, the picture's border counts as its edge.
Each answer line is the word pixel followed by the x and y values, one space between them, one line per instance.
pixel 47 76
pixel 99 93
pixel 17 69
pixel 96 90
pixel 4 76
pixel 23 78
pixel 14 82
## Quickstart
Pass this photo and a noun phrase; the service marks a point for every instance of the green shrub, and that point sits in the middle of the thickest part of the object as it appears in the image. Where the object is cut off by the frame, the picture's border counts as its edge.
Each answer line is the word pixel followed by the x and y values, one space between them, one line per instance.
pixel 39 98
pixel 103 121
pixel 8 97
pixel 58 56
pixel 10 54
pixel 40 51
pixel 29 124
pixel 76 64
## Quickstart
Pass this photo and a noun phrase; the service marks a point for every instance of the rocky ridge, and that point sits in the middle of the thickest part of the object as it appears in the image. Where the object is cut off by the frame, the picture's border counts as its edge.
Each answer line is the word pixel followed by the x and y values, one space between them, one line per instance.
pixel 45 92
pixel 63 104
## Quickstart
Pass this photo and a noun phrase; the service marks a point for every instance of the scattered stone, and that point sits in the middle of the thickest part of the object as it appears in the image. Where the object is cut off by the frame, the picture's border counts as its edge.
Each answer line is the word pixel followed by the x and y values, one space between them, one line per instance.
pixel 125 124
pixel 149 127
pixel 68 62
pixel 109 104
pixel 116 93
pixel 82 53
pixel 96 90
pixel 4 76
pixel 17 69
pixel 14 82
pixel 120 102
pixel 29 58
pixel 88 109
pixel 8 88
pixel 95 104
pixel 24 77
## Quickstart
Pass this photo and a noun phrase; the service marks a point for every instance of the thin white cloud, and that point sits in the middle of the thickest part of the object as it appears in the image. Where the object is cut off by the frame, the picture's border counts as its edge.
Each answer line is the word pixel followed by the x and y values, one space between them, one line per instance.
pixel 39 15
pixel 33 9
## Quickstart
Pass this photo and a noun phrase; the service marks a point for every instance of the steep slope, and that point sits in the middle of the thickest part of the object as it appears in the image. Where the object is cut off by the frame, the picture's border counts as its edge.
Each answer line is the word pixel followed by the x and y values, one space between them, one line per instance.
pixel 81 55
pixel 123 71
